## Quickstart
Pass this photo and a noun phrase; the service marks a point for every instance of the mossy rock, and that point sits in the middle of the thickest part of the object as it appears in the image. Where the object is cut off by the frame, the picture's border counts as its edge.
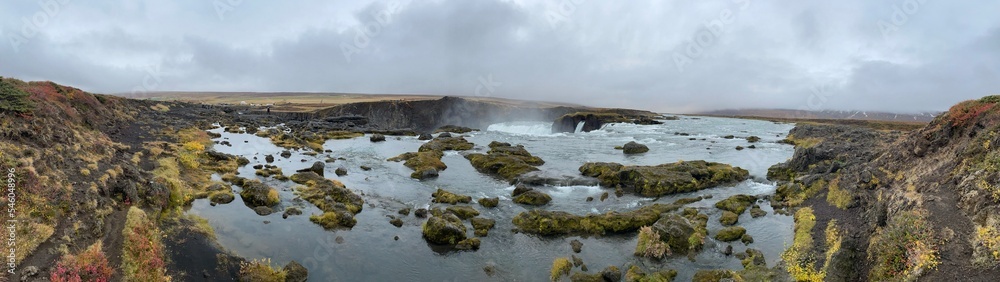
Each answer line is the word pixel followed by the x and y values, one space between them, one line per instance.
pixel 736 203
pixel 746 239
pixel 716 276
pixel 730 234
pixel 334 219
pixel 729 218
pixel 520 189
pixel 327 195
pixel 753 258
pixel 753 139
pixel 468 244
pixel 780 172
pixel 290 212
pixel 635 274
pixel 442 144
pixel 533 198
pixel 611 273
pixel 463 212
pixel 446 229
pixel 489 202
pixel 295 272
pixel 676 231
pixel 397 222
pixel 560 267
pixel 222 197
pixel 263 211
pixel 422 163
pixel 584 277
pixel 576 245
pixel 563 223
pixel 257 194
pixel 455 129
pixel 505 161
pixel 482 226
pixel 756 212
pixel 445 197
pixel 665 179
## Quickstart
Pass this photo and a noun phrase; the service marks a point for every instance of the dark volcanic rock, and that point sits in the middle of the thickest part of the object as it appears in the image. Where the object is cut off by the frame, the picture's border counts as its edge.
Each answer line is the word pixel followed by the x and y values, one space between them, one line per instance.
pixel 425 136
pixel 316 167
pixel 634 148
pixel 591 121
pixel 262 211
pixel 295 272
pixel 576 245
pixel 455 129
pixel 520 189
pixel 341 171
pixel 377 138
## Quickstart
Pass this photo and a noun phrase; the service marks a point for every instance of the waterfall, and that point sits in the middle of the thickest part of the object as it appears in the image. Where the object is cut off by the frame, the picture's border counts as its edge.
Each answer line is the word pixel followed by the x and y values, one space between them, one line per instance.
pixel 579 127
pixel 523 128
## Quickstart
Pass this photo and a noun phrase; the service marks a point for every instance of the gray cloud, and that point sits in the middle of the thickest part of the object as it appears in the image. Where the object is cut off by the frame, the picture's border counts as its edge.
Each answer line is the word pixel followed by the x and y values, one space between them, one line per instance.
pixel 868 55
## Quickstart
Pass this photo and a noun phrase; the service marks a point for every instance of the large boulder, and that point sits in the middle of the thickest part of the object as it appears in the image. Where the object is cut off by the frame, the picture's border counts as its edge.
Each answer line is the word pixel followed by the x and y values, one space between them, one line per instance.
pixel 338 203
pixel 463 212
pixel 446 229
pixel 257 194
pixel 665 179
pixel 730 234
pixel 505 161
pixel 634 148
pixel 295 272
pixel 545 222
pixel 316 167
pixel 425 164
pixel 736 204
pixel 533 198
pixel 455 129
pixel 442 196
pixel 716 275
pixel 674 230
pixel 377 138
pixel 442 144
pixel 489 202
pixel 482 226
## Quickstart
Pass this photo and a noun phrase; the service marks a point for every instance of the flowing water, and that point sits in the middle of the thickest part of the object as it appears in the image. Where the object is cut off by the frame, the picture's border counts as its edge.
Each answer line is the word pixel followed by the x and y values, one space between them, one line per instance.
pixel 370 252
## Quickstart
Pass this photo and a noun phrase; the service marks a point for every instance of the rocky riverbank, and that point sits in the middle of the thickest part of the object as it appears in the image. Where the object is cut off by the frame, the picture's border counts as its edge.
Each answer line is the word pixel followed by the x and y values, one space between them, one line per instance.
pixel 889 205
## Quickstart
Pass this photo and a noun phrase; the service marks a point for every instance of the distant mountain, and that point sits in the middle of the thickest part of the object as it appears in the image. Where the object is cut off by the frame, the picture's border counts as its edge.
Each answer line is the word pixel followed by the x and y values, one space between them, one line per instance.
pixel 826 114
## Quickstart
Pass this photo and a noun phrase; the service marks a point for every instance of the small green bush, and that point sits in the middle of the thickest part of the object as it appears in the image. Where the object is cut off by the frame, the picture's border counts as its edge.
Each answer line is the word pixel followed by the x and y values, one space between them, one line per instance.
pixel 13 99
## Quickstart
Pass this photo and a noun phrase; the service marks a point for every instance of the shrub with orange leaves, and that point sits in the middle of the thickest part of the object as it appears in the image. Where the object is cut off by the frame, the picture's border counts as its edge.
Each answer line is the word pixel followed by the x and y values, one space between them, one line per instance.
pixel 90 265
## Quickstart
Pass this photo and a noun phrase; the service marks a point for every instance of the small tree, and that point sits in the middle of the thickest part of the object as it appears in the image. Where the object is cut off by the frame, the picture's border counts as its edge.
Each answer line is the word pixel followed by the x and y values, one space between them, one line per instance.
pixel 13 99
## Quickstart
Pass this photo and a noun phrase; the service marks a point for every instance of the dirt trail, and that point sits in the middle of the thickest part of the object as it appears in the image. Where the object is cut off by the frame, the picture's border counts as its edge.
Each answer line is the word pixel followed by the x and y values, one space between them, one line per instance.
pixel 113 241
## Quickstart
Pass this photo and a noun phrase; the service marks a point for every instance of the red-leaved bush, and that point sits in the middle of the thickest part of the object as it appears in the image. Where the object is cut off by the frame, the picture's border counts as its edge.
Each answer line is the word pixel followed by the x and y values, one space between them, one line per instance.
pixel 90 265
pixel 968 111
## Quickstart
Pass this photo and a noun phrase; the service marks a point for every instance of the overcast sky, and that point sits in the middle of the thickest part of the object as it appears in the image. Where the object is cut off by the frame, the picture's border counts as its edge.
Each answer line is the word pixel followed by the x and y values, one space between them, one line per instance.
pixel 677 56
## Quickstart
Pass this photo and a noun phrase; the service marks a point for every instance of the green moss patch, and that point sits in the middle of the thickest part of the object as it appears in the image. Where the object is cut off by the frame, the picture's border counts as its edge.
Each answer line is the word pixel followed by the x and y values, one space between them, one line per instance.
pixel 665 179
